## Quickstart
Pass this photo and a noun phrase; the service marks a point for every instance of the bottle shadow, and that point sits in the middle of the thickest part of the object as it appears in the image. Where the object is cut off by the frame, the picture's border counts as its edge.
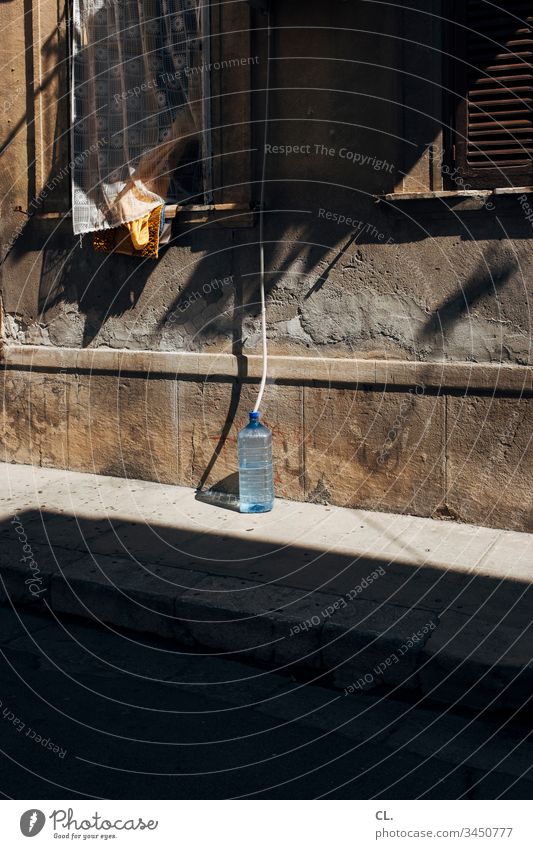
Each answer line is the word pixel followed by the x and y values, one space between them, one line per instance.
pixel 224 493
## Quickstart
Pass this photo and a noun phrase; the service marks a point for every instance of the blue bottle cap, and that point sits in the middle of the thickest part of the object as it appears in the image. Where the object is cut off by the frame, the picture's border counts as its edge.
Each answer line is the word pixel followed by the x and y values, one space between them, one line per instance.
pixel 254 417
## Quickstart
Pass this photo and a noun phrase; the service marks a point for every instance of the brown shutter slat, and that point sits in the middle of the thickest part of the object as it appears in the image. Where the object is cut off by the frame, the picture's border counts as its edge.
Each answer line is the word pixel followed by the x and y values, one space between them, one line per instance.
pixel 495 118
pixel 508 79
pixel 492 90
pixel 484 130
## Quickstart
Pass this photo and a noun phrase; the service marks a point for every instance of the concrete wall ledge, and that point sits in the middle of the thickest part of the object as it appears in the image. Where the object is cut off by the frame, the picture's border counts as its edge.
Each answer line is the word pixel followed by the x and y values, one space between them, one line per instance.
pixel 485 377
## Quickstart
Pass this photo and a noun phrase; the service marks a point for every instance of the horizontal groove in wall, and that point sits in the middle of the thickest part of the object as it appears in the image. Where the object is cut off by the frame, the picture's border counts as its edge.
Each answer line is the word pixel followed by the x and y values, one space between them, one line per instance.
pixel 484 377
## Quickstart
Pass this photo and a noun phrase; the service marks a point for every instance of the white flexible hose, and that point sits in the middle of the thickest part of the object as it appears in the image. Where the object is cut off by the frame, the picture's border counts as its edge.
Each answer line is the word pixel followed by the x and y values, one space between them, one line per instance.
pixel 262 232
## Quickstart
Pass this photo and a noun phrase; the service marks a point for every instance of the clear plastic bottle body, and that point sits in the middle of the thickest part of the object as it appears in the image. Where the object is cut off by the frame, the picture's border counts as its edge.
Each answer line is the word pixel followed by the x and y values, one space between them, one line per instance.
pixel 256 485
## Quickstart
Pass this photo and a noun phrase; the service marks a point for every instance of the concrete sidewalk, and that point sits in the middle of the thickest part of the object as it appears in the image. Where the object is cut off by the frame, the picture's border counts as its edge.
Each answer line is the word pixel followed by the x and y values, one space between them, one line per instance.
pixel 359 600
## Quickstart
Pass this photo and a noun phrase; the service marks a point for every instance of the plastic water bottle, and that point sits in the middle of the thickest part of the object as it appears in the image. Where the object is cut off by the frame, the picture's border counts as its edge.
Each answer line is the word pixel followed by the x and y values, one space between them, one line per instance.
pixel 256 487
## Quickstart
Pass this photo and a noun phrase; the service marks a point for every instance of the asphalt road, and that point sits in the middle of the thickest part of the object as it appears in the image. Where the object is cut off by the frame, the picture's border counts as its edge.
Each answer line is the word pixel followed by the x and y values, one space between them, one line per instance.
pixel 87 711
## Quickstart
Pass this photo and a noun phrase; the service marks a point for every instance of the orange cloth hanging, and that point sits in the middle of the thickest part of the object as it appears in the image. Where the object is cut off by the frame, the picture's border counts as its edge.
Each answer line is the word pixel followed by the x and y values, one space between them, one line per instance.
pixel 137 238
pixel 139 232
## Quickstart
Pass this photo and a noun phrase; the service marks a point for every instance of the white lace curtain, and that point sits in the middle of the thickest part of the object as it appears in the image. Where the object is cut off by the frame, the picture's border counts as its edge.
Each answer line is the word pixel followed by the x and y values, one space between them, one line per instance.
pixel 136 104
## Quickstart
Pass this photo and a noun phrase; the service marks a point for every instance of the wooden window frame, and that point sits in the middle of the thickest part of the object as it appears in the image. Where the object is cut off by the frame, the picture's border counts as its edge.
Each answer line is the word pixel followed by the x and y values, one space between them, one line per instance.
pixel 231 128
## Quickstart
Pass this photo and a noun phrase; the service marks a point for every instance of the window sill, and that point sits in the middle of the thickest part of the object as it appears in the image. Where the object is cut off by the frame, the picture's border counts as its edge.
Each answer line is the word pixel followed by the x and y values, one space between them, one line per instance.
pixel 220 214
pixel 458 199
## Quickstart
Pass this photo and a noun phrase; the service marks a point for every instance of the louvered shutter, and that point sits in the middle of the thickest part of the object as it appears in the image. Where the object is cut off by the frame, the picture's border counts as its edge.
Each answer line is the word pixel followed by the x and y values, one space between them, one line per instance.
pixel 494 83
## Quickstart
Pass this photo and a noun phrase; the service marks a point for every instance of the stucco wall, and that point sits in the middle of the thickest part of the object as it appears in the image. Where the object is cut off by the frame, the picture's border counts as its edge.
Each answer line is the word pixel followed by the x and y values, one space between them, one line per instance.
pixel 409 282
pixel 355 92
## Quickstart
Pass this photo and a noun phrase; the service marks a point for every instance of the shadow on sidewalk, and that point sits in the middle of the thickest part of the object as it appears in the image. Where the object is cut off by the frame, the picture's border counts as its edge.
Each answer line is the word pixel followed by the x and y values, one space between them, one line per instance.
pixel 140 717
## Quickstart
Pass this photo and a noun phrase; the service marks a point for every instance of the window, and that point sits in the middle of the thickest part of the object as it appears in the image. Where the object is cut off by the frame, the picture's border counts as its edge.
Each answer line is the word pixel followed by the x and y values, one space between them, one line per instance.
pixel 492 50
pixel 161 108
pixel 138 117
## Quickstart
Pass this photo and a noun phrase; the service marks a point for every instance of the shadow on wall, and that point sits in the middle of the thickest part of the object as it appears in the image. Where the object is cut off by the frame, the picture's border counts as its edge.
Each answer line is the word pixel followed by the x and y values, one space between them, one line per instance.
pixel 107 286
pixel 489 277
pixel 305 250
pixel 101 286
pixel 220 295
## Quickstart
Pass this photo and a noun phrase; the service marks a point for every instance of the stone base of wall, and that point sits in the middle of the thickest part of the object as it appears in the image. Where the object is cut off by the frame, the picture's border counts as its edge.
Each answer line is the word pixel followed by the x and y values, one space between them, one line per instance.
pixel 437 439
